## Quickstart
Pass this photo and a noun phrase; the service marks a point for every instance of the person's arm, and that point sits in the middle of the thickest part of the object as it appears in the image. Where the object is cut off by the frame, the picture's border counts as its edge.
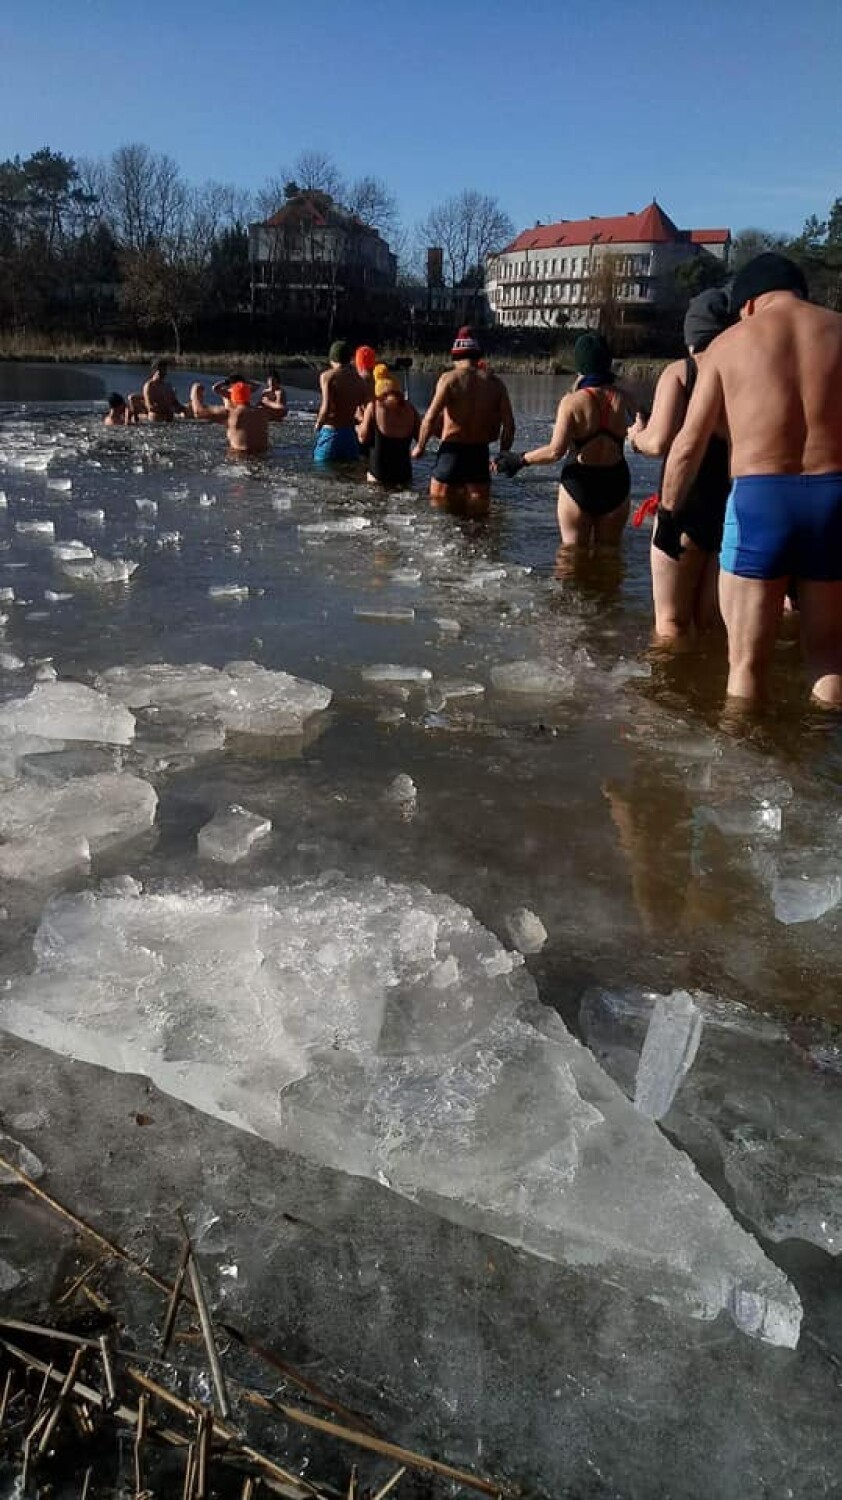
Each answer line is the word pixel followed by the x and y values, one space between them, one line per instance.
pixel 145 394
pixel 560 440
pixel 365 431
pixel 705 414
pixel 205 413
pixel 321 417
pixel 431 417
pixel 654 438
pixel 507 421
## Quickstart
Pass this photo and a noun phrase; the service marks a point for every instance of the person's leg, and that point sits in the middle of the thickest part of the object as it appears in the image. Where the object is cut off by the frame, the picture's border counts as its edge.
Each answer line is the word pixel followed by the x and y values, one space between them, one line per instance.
pixel 477 499
pixel 820 605
pixel 751 609
pixel 452 497
pixel 608 529
pixel 575 527
pixel 708 615
pixel 675 587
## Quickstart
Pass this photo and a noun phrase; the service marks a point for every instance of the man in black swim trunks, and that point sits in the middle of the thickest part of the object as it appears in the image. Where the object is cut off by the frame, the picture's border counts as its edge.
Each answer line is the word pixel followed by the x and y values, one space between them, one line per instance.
pixel 474 409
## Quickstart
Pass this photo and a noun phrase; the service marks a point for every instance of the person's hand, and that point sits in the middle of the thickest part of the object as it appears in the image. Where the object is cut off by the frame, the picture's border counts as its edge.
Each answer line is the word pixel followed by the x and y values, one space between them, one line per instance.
pixel 417 451
pixel 637 427
pixel 667 533
pixel 509 464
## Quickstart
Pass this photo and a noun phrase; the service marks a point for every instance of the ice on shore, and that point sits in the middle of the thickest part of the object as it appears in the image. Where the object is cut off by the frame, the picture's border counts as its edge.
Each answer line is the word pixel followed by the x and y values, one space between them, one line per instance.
pixel 241 697
pixel 379 1029
pixel 231 833
pixel 748 1103
pixel 67 711
pixel 49 832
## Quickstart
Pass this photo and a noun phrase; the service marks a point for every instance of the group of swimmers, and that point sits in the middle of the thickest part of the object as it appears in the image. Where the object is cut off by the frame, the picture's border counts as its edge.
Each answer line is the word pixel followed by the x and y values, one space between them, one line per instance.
pixel 748 424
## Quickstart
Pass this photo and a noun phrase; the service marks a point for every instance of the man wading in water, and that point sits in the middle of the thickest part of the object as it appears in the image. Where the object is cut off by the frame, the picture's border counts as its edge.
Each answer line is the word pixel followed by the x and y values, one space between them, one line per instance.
pixel 247 426
pixel 476 411
pixel 775 380
pixel 162 404
pixel 343 393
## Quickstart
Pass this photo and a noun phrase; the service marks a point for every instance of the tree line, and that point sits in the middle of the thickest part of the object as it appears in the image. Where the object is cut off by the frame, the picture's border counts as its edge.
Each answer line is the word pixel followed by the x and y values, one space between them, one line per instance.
pixel 114 247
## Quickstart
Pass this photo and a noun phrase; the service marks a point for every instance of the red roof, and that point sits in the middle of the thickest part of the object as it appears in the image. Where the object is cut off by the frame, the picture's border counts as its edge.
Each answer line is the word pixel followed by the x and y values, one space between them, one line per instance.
pixel 651 226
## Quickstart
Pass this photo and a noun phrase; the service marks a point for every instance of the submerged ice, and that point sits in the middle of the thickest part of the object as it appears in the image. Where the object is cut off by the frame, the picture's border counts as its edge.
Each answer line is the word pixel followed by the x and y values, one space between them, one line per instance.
pixel 379 1029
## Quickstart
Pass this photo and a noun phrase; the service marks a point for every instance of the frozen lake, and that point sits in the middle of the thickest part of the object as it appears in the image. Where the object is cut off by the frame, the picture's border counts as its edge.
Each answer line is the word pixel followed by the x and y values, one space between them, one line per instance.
pixel 537 1282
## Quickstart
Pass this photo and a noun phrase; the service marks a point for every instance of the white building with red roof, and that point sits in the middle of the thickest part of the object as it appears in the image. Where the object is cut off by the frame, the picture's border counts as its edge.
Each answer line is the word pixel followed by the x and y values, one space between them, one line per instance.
pixel 559 274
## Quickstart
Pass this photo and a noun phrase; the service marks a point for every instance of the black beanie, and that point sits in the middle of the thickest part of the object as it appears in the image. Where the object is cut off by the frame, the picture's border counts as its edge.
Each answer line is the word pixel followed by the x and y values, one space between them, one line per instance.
pixel 769 272
pixel 707 315
pixel 592 355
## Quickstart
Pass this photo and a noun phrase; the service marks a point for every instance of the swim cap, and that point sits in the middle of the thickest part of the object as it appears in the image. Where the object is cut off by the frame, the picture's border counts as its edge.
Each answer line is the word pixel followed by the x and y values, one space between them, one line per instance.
pixel 769 272
pixel 707 315
pixel 465 345
pixel 592 355
pixel 387 385
pixel 239 394
pixel 365 359
pixel 339 352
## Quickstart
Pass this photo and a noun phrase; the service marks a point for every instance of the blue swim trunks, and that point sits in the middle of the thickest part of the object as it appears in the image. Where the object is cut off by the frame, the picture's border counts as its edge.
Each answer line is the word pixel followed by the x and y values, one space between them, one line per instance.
pixel 784 525
pixel 336 445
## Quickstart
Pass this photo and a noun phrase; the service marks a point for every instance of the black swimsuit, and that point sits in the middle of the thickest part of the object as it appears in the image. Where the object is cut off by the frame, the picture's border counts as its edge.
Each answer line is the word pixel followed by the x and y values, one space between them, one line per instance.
pixel 389 461
pixel 597 489
pixel 702 514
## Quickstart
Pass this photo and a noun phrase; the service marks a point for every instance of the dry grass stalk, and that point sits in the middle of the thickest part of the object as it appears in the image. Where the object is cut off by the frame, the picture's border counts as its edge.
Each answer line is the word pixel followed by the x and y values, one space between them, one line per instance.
pixel 66 1387
pixel 175 1296
pixel 4 1399
pixel 390 1484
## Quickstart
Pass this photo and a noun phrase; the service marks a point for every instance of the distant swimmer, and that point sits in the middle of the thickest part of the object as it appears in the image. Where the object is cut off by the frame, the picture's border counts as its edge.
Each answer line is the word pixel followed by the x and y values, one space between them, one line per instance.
pixel 590 427
pixel 387 431
pixel 162 404
pixel 119 412
pixel 221 388
pixel 685 558
pixel 343 392
pixel 474 409
pixel 247 426
pixel 273 397
pixel 775 380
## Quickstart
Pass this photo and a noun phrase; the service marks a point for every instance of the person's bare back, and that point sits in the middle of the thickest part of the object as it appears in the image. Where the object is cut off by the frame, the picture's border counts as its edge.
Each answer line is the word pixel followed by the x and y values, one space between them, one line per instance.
pixel 476 406
pixel 343 392
pixel 248 429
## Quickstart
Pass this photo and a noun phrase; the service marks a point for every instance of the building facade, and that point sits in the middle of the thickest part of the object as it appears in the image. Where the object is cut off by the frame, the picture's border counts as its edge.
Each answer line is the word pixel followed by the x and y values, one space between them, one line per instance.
pixel 312 257
pixel 566 274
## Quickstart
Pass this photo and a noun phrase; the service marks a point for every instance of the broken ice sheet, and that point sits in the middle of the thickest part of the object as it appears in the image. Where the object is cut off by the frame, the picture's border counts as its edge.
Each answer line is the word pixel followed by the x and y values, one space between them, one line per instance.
pixel 540 679
pixel 231 833
pixel 382 1031
pixel 47 832
pixel 242 697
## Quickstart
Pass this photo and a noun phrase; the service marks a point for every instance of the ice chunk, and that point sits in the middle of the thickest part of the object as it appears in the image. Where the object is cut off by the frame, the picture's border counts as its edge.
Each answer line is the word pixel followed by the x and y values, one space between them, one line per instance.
pixel 9 1277
pixel 405 577
pixel 385 616
pixel 341 526
pixel 452 689
pixel 526 930
pixel 53 766
pixel 230 834
pixel 672 1041
pixel 7 596
pixel 394 672
pixel 738 820
pixel 53 831
pixel 63 486
pixel 51 597
pixel 242 697
pixel 94 516
pixel 805 898
pixel 541 679
pixel 43 530
pixel 67 711
pixel 146 507
pixel 625 671
pixel 222 591
pixel 100 570
pixel 447 626
pixel 18 1156
pixel 354 1040
pixel 11 662
pixel 402 793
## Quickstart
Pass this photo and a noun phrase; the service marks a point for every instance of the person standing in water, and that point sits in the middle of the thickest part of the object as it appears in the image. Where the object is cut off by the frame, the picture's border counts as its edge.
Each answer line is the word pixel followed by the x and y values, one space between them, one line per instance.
pixel 685 577
pixel 474 408
pixel 593 495
pixel 247 426
pixel 343 392
pixel 274 397
pixel 162 404
pixel 387 430
pixel 775 381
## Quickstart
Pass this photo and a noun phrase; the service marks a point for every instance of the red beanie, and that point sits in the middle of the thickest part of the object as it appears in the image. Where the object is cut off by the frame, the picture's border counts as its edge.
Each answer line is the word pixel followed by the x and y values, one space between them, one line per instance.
pixel 465 345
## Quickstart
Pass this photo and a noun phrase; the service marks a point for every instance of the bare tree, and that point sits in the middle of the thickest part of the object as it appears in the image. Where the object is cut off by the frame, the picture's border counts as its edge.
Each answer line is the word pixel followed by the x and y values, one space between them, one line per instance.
pixel 316 172
pixel 143 195
pixel 468 227
pixel 375 204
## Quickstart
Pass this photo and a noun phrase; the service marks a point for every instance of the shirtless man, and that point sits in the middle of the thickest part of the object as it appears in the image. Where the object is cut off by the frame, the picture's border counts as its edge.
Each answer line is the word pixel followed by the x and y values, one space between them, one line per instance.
pixel 343 391
pixel 162 403
pixel 776 380
pixel 247 426
pixel 119 412
pixel 274 397
pixel 475 409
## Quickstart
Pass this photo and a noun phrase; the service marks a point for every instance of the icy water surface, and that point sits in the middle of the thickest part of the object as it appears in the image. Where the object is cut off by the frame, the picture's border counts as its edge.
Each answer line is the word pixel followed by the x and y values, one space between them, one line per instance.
pixel 498 733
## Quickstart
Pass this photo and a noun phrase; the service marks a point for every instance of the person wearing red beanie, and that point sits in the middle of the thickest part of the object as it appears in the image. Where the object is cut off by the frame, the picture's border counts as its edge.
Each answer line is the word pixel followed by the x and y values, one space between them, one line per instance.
pixel 474 409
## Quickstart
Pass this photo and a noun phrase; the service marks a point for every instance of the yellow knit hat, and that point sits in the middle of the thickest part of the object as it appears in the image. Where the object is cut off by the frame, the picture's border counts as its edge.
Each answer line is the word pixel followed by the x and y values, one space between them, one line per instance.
pixel 387 385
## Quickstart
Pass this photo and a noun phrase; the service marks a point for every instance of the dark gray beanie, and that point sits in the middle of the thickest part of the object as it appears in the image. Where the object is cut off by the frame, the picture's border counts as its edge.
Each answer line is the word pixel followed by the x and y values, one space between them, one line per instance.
pixel 706 316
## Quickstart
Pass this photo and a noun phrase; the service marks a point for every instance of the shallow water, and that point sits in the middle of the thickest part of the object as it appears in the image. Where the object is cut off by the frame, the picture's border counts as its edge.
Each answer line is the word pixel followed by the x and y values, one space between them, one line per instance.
pixel 619 805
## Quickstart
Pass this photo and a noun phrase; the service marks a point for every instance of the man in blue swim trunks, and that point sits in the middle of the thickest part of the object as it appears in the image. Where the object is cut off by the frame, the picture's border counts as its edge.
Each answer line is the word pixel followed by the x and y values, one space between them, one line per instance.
pixel 776 379
pixel 343 391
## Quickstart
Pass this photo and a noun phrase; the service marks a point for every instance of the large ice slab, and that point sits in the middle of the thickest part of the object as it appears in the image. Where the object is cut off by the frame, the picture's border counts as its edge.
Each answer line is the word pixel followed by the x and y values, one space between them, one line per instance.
pixel 67 711
pixel 381 1030
pixel 47 832
pixel 243 697
pixel 739 1091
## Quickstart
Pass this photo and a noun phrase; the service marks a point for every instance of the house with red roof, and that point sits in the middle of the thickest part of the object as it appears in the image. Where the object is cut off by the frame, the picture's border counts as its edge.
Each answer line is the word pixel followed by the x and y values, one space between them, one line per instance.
pixel 312 255
pixel 564 273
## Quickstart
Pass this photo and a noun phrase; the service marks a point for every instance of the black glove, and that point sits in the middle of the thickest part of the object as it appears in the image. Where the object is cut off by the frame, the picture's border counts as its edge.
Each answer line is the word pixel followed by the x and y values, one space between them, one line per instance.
pixel 509 464
pixel 667 534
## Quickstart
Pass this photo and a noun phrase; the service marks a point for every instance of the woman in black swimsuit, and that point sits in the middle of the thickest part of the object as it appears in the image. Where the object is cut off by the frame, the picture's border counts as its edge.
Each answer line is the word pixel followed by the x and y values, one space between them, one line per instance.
pixel 387 431
pixel 590 427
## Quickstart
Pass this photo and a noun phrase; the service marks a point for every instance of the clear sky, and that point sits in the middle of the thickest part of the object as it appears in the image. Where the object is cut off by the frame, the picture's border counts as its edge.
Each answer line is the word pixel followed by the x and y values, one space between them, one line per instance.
pixel 728 113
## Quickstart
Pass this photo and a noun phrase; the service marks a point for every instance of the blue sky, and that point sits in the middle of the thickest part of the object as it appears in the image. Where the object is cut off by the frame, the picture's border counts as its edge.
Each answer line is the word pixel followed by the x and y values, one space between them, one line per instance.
pixel 729 114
